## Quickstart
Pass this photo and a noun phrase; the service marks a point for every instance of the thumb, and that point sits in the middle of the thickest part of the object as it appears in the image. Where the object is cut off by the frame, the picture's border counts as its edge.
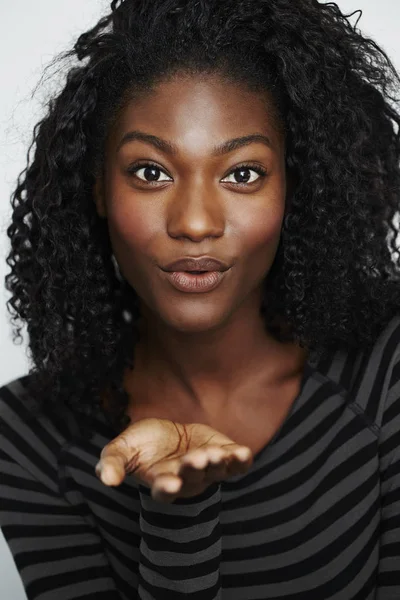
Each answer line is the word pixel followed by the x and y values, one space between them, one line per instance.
pixel 112 466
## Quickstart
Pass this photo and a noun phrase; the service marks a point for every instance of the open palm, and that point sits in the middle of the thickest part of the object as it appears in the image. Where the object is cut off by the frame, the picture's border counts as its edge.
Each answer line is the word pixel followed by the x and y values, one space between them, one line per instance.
pixel 173 459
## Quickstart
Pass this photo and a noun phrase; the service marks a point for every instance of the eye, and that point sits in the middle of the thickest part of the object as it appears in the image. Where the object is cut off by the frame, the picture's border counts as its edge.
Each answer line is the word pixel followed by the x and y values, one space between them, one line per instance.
pixel 150 172
pixel 243 171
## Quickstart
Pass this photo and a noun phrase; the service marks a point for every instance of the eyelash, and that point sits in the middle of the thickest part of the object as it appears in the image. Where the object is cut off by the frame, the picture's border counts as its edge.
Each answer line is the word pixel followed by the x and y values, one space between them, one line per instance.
pixel 257 168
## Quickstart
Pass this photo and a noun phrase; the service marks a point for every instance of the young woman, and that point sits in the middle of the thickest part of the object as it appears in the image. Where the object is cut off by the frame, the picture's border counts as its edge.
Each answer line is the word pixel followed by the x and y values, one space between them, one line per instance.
pixel 203 249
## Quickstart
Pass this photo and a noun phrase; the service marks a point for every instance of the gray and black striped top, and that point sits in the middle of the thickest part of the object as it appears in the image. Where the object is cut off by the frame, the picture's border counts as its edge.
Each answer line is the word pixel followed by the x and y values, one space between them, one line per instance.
pixel 316 517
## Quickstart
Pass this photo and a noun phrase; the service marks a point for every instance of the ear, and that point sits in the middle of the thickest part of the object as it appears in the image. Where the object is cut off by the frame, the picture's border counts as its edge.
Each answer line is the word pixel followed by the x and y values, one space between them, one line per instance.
pixel 98 197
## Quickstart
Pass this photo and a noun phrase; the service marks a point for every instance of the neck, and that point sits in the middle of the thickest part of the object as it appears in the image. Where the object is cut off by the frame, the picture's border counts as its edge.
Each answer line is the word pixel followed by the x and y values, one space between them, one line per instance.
pixel 212 366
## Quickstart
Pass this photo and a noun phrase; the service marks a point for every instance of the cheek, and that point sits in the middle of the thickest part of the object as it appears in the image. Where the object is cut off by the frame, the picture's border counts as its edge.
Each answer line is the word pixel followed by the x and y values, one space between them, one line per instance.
pixel 259 230
pixel 133 226
pixel 133 231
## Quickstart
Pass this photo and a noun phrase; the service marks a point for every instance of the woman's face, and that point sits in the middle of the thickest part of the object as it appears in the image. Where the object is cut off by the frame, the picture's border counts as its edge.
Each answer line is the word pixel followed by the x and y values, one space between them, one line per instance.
pixel 193 201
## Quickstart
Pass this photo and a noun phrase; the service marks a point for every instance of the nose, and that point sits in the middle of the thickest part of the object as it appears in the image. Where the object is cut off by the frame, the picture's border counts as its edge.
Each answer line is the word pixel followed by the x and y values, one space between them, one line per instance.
pixel 196 212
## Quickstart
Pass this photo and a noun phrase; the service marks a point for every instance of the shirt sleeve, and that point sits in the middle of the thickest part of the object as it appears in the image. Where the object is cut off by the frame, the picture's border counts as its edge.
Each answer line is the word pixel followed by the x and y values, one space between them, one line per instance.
pixel 388 587
pixel 180 548
pixel 58 554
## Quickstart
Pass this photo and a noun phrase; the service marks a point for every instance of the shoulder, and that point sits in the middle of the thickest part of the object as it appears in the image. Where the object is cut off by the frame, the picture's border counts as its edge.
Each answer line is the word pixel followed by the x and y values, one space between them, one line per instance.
pixel 16 404
pixel 369 376
pixel 27 436
pixel 377 374
pixel 19 409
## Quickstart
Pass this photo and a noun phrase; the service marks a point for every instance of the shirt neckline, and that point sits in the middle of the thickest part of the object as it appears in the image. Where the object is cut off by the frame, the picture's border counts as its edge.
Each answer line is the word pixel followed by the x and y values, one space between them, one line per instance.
pixel 308 370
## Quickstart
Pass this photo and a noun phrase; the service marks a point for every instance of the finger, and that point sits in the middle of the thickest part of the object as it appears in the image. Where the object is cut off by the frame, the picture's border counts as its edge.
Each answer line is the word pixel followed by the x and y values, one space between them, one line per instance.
pixel 192 465
pixel 240 460
pixel 111 470
pixel 217 468
pixel 243 454
pixel 193 477
pixel 166 487
pixel 224 462
pixel 203 464
pixel 117 459
pixel 214 463
pixel 182 480
pixel 114 465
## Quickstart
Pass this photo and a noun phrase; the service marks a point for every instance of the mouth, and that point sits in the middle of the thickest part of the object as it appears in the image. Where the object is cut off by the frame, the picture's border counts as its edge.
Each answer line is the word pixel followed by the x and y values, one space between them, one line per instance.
pixel 195 281
pixel 196 274
pixel 196 265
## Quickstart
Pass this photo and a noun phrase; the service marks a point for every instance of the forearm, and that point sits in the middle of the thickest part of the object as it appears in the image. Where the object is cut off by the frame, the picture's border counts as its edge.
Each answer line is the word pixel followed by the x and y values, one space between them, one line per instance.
pixel 180 549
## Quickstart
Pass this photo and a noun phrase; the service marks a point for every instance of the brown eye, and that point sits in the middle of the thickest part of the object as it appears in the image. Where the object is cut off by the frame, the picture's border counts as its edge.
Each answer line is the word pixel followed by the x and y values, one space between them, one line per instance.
pixel 242 174
pixel 150 172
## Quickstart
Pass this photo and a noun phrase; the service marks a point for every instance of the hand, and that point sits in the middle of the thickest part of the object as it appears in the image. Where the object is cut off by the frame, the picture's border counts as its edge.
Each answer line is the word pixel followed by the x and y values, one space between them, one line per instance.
pixel 174 460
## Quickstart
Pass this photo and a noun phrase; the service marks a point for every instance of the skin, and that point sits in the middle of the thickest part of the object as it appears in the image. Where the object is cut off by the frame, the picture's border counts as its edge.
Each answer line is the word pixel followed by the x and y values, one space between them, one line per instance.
pixel 172 459
pixel 203 354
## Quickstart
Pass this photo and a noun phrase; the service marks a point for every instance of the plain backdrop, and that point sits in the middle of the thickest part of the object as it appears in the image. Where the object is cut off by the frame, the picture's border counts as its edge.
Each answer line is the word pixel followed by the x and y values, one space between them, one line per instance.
pixel 32 34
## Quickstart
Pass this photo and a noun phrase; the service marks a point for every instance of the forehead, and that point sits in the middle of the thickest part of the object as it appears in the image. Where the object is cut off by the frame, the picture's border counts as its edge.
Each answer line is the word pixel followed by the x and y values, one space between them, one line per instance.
pixel 205 110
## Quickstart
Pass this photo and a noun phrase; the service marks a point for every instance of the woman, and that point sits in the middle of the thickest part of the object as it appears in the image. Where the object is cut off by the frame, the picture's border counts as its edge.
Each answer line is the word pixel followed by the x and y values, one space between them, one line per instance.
pixel 200 252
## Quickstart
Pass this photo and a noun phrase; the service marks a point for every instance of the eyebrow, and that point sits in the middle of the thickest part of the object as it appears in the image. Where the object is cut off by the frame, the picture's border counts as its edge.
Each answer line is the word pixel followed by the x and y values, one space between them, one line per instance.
pixel 172 149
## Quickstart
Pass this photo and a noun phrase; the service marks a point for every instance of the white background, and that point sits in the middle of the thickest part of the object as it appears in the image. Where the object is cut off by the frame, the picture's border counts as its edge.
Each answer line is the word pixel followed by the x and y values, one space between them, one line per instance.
pixel 32 34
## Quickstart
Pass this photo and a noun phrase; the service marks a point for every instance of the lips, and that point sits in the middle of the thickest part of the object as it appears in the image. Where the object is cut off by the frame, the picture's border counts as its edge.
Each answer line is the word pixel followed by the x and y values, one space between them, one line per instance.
pixel 186 282
pixel 205 263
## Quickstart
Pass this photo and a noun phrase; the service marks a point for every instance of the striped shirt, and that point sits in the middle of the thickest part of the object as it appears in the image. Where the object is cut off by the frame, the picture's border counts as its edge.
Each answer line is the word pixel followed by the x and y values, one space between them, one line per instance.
pixel 317 515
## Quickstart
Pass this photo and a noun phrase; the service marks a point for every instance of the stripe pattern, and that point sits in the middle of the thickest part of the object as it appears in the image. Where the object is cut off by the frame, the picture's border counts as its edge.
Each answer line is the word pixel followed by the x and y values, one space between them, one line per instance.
pixel 316 517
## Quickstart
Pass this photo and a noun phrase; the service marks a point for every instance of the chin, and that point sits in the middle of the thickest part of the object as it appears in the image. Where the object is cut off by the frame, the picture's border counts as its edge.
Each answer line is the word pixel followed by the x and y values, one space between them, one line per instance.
pixel 194 321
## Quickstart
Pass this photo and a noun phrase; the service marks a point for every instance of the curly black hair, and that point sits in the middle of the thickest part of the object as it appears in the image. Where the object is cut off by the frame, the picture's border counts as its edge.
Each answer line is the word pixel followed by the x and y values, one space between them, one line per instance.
pixel 334 282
